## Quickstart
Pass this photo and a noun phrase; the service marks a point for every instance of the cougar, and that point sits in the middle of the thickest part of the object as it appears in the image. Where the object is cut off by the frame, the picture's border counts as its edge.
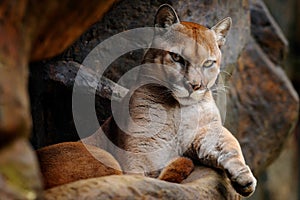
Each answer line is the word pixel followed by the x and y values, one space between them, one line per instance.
pixel 171 112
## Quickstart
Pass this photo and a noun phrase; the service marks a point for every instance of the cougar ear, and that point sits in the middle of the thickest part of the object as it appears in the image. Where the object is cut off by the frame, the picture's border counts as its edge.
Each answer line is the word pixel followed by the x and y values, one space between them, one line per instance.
pixel 221 29
pixel 165 16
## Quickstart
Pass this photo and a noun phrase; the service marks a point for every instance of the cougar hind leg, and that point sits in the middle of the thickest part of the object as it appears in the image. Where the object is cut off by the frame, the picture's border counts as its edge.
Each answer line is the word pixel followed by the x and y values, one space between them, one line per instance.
pixel 177 170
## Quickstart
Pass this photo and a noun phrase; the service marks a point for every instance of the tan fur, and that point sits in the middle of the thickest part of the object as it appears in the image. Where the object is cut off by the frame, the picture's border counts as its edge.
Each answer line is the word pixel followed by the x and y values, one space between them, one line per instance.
pixel 71 161
pixel 177 170
pixel 177 115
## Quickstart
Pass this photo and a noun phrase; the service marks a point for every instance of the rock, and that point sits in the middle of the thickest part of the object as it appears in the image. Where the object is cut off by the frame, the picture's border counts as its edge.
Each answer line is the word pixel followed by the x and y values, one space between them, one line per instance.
pixel 278 181
pixel 58 78
pixel 212 185
pixel 262 107
pixel 14 47
pixel 260 90
pixel 71 161
pixel 71 19
pixel 25 35
pixel 19 173
pixel 267 32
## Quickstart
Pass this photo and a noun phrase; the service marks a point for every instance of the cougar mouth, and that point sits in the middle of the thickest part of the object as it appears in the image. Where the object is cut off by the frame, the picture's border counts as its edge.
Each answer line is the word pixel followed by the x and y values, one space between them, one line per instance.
pixel 198 94
pixel 194 89
pixel 187 97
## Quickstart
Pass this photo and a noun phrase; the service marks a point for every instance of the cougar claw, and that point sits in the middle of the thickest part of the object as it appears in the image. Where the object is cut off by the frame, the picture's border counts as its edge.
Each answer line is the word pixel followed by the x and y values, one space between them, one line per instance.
pixel 245 184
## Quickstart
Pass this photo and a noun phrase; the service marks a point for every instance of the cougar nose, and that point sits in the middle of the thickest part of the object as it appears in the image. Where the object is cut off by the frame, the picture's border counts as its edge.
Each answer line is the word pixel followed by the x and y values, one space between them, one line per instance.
pixel 196 86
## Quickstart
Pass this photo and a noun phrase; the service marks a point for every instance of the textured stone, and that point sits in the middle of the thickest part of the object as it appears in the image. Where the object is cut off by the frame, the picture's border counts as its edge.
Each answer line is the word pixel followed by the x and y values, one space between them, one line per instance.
pixel 24 36
pixel 211 185
pixel 19 177
pixel 14 48
pixel 54 83
pixel 267 32
pixel 262 107
pixel 70 18
pixel 27 33
pixel 279 180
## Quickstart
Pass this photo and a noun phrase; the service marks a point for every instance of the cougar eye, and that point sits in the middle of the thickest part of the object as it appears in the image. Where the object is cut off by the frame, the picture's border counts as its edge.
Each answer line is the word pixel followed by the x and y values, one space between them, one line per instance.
pixel 177 58
pixel 209 63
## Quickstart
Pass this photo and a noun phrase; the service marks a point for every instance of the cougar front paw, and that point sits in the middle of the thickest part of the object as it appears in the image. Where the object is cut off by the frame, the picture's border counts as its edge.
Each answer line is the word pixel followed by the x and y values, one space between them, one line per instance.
pixel 244 183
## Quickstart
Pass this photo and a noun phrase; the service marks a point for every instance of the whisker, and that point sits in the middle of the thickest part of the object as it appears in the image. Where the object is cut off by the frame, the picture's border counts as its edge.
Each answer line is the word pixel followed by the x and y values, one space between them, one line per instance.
pixel 225 72
pixel 222 88
pixel 217 90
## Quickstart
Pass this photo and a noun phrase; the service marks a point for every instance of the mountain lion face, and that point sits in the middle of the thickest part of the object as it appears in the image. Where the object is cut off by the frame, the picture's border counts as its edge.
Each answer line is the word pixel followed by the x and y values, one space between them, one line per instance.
pixel 188 54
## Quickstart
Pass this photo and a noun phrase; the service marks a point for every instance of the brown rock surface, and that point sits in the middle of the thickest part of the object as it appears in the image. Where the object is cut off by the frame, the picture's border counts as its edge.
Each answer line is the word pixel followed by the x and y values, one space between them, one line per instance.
pixel 267 33
pixel 19 173
pixel 262 107
pixel 56 24
pixel 260 93
pixel 27 33
pixel 211 186
pixel 26 36
pixel 14 48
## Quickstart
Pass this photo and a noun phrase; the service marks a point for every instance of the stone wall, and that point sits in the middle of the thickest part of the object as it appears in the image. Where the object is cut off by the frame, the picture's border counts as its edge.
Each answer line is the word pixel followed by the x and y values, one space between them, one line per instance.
pixel 261 108
pixel 31 30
